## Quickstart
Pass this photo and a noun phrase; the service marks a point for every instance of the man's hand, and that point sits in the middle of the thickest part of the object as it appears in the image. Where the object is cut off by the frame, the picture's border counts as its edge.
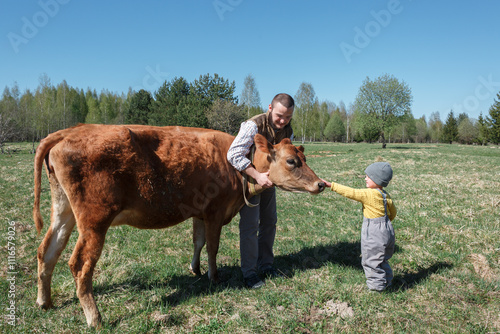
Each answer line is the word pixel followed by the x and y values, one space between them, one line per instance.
pixel 261 178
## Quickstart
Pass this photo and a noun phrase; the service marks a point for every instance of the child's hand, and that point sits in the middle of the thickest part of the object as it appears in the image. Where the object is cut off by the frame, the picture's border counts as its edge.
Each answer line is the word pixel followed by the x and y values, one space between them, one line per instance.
pixel 328 184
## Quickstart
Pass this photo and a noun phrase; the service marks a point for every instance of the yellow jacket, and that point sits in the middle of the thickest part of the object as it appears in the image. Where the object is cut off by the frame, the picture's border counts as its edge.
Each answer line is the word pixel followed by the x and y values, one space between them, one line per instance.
pixel 372 200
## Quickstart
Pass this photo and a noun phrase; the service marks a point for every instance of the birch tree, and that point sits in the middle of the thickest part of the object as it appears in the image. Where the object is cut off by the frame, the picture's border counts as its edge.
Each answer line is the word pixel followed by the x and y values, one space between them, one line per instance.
pixel 305 99
pixel 250 97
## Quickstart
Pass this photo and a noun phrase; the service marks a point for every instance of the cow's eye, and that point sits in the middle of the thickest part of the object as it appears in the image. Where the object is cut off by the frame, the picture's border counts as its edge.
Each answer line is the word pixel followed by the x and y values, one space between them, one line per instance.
pixel 290 161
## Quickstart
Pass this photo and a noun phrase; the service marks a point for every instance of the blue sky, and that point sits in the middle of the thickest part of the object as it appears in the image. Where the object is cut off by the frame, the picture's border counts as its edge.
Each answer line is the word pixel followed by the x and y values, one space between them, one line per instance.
pixel 448 52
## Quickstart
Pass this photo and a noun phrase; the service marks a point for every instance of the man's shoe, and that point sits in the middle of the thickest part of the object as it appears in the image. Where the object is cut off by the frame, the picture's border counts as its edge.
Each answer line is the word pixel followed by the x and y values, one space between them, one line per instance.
pixel 272 273
pixel 254 282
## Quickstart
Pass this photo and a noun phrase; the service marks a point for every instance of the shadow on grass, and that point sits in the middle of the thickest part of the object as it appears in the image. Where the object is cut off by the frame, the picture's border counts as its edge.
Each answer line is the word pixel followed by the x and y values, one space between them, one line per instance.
pixel 184 286
pixel 187 286
pixel 341 253
pixel 407 281
pixel 349 254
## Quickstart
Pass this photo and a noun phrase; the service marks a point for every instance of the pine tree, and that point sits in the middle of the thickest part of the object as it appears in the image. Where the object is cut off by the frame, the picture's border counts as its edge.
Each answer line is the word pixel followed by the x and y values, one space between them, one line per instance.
pixel 206 89
pixel 167 100
pixel 94 113
pixel 494 121
pixel 450 129
pixel 483 130
pixel 139 109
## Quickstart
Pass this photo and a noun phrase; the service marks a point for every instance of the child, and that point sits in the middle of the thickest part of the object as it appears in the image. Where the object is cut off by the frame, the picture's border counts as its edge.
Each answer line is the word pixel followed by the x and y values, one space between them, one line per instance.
pixel 377 233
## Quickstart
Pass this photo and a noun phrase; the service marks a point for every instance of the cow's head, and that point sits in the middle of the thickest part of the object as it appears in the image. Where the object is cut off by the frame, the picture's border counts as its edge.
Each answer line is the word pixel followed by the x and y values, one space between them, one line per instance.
pixel 287 166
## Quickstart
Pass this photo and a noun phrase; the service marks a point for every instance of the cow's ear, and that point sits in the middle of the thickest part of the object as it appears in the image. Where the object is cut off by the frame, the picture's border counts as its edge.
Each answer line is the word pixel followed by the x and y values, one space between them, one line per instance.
pixel 300 148
pixel 262 144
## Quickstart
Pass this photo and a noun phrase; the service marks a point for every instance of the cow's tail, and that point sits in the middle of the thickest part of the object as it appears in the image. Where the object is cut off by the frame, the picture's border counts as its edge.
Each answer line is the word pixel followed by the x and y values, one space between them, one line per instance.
pixel 41 154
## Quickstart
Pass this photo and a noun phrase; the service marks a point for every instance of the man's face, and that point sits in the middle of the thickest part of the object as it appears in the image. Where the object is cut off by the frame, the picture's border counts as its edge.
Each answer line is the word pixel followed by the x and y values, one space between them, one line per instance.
pixel 280 115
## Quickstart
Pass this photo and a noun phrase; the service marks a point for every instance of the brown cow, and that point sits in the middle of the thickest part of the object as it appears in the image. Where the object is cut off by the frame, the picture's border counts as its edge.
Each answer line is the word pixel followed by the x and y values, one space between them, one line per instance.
pixel 147 177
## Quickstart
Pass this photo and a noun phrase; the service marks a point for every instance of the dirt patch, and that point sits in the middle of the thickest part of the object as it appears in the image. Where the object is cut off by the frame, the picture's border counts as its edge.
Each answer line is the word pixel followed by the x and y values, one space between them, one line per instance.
pixel 331 309
pixel 341 309
pixel 159 317
pixel 482 267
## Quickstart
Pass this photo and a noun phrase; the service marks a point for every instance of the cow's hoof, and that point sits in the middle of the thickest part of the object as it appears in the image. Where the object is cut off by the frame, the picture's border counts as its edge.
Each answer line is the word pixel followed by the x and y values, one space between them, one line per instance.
pixel 214 279
pixel 195 271
pixel 45 306
pixel 95 323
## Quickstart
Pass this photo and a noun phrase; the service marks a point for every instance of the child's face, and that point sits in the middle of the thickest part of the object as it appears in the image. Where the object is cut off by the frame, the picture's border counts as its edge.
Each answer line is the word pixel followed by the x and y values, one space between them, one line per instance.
pixel 370 183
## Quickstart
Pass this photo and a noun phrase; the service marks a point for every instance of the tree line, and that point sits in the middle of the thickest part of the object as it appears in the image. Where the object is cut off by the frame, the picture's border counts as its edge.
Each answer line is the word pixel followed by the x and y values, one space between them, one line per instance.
pixel 381 111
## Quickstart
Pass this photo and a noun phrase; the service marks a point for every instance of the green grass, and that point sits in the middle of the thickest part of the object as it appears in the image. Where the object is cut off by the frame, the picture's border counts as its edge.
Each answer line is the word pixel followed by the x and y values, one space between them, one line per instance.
pixel 446 265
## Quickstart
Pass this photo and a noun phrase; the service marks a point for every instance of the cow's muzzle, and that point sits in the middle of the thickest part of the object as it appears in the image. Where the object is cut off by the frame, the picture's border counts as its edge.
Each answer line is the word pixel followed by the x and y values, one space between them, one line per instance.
pixel 321 186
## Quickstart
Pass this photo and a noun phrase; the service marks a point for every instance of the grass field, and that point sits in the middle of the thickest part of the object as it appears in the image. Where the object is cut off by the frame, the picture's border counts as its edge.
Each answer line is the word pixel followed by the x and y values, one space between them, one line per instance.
pixel 446 265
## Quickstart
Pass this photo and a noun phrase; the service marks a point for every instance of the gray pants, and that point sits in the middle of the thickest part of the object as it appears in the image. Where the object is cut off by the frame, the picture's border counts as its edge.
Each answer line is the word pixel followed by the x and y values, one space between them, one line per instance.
pixel 377 246
pixel 257 232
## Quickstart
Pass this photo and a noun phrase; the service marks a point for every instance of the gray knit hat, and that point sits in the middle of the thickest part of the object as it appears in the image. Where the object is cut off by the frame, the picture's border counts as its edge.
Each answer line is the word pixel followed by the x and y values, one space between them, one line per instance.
pixel 380 173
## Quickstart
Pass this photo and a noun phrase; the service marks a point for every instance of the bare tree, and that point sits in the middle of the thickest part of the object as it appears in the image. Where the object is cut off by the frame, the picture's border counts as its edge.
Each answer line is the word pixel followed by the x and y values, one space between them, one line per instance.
pixel 250 97
pixel 6 130
pixel 305 98
pixel 225 116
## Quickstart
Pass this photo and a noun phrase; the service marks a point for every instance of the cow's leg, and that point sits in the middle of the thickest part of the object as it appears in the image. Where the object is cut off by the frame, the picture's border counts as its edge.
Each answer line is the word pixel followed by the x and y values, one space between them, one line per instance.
pixel 212 234
pixel 56 239
pixel 82 263
pixel 198 243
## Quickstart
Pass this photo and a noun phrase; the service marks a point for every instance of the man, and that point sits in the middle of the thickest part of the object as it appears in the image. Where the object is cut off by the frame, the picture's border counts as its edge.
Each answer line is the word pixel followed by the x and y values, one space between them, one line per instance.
pixel 258 224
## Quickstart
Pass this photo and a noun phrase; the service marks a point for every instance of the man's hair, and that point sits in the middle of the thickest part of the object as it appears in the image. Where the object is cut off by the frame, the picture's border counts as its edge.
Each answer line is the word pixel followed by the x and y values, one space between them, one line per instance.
pixel 285 100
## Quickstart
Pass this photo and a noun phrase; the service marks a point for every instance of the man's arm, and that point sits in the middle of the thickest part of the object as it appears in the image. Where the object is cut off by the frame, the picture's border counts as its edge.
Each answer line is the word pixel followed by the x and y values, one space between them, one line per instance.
pixel 236 155
pixel 261 178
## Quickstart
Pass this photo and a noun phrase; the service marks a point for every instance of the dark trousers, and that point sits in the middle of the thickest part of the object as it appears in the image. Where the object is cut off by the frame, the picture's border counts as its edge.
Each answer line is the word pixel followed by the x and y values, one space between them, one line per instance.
pixel 257 233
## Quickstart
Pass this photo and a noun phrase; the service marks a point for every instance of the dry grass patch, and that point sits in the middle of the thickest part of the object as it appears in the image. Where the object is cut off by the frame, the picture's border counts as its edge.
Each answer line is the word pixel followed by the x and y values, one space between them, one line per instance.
pixel 482 268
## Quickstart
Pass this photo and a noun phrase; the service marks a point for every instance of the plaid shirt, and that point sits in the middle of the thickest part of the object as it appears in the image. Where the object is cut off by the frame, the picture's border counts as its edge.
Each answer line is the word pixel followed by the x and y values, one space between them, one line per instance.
pixel 237 153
